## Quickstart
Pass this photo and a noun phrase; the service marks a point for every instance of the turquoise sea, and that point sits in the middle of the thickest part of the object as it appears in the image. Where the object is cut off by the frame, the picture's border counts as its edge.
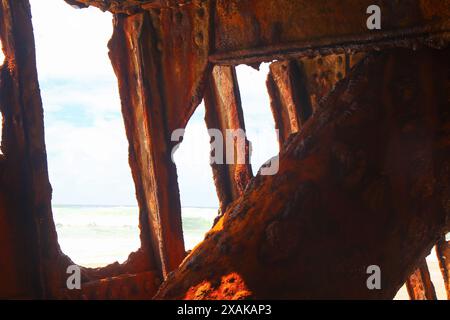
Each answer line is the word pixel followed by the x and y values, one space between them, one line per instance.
pixel 95 236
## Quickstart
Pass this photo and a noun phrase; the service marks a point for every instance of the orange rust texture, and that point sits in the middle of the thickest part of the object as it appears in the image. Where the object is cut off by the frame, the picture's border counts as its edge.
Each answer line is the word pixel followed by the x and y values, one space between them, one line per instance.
pixel 419 284
pixel 25 211
pixel 135 59
pixel 126 6
pixel 365 182
pixel 443 254
pixel 224 111
pixel 289 99
pixel 229 287
pixel 160 58
pixel 31 262
pixel 296 87
pixel 263 30
pixel 162 52
pixel 141 286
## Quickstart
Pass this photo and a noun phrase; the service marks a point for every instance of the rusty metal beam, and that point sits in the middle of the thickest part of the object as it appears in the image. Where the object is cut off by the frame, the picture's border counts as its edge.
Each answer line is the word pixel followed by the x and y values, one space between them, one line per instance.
pixel 28 245
pixel 254 31
pixel 136 62
pixel 127 6
pixel 289 99
pixel 297 86
pixel 443 254
pixel 224 111
pixel 250 31
pixel 160 59
pixel 354 162
pixel 419 284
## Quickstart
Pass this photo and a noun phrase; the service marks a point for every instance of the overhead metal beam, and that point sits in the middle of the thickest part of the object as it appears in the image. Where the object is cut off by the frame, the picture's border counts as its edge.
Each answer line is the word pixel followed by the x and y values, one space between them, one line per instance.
pixel 252 31
pixel 127 6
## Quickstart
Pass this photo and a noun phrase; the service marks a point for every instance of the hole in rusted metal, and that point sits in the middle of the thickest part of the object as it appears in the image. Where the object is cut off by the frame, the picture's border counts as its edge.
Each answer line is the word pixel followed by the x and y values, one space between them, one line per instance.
pixel 197 191
pixel 94 202
pixel 259 121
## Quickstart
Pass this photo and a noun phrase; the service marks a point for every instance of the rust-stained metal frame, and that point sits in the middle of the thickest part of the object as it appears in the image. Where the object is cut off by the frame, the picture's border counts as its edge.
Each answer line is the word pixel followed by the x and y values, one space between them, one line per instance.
pixel 168 55
pixel 137 66
pixel 443 255
pixel 419 284
pixel 297 86
pixel 254 31
pixel 160 89
pixel 128 6
pixel 25 190
pixel 224 112
pixel 289 100
pixel 188 277
pixel 230 32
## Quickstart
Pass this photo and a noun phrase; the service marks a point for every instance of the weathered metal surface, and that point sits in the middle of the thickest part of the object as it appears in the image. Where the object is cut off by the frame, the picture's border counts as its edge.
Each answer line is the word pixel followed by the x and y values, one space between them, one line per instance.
pixel 141 286
pixel 135 58
pixel 249 31
pixel 419 284
pixel 162 52
pixel 224 112
pixel 183 43
pixel 296 87
pixel 355 186
pixel 160 58
pixel 443 255
pixel 321 74
pixel 252 31
pixel 27 233
pixel 33 265
pixel 127 6
pixel 289 99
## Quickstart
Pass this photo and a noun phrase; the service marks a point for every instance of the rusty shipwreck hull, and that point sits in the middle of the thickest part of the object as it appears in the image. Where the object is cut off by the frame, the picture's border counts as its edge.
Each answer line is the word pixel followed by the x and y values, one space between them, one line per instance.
pixel 365 183
pixel 364 166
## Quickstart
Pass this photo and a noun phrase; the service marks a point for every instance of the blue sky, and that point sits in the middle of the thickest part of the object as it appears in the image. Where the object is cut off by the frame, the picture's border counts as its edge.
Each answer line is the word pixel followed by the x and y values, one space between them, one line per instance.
pixel 85 136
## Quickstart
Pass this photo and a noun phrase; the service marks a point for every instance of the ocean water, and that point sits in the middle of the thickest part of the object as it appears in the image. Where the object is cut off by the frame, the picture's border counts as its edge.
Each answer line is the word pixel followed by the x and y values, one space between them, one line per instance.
pixel 95 236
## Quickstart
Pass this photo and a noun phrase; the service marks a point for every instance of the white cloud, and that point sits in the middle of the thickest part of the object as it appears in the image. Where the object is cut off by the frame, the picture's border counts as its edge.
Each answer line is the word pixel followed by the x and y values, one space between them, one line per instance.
pixel 87 147
pixel 96 96
pixel 89 165
pixel 71 41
